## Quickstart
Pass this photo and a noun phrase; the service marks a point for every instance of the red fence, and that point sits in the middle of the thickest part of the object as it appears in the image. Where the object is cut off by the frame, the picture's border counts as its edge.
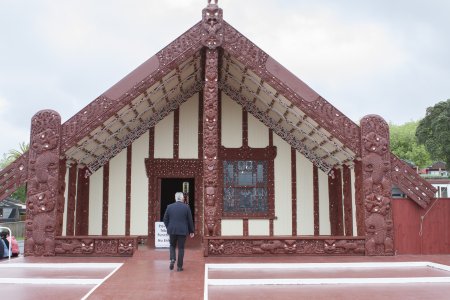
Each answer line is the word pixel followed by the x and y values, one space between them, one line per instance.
pixel 422 231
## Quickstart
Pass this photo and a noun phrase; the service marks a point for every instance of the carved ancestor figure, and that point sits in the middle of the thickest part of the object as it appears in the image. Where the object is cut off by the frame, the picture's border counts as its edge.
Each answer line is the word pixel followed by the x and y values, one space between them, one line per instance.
pixel 43 183
pixel 212 33
pixel 40 234
pixel 378 231
pixel 377 185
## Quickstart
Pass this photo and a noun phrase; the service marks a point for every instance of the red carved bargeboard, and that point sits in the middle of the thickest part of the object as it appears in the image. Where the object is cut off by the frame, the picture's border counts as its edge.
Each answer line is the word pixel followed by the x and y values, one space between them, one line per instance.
pixel 284 245
pixel 96 245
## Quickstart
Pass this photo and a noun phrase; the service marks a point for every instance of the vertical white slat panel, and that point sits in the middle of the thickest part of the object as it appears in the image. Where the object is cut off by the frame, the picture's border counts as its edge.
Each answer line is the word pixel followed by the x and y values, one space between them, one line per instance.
pixel 117 194
pixel 95 202
pixel 231 123
pixel 283 188
pixel 188 132
pixel 324 205
pixel 139 187
pixel 164 137
pixel 232 227
pixel 305 196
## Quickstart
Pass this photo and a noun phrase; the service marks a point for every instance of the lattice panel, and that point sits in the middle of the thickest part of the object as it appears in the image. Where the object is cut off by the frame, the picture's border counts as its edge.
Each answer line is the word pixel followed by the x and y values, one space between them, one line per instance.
pixel 13 176
pixel 410 183
pixel 133 119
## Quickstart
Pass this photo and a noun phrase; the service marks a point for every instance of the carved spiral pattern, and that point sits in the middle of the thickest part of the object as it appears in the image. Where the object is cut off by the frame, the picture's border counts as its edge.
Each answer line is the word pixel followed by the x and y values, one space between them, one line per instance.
pixel 212 26
pixel 270 247
pixel 91 246
pixel 376 170
pixel 320 110
pixel 210 142
pixel 43 183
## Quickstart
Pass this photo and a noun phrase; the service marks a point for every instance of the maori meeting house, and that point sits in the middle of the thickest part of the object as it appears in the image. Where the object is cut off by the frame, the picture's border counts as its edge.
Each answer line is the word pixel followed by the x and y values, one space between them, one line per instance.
pixel 268 166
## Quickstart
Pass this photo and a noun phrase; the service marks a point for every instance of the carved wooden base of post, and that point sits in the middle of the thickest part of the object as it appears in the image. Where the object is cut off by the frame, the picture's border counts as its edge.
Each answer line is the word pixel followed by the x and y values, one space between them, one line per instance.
pixel 287 245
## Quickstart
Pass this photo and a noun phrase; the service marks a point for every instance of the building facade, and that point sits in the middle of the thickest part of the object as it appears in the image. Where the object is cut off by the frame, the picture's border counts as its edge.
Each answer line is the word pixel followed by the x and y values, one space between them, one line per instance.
pixel 268 165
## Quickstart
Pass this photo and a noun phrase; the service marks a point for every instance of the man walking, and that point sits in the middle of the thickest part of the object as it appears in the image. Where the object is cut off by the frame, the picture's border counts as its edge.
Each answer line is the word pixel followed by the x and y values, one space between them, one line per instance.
pixel 178 221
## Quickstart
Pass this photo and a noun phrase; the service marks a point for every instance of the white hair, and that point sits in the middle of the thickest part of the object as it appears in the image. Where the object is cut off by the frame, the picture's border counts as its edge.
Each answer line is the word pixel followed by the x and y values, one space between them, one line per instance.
pixel 179 196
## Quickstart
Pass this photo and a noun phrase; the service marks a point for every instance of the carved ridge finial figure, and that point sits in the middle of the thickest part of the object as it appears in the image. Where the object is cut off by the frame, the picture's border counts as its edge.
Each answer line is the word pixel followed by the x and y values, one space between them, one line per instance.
pixel 212 27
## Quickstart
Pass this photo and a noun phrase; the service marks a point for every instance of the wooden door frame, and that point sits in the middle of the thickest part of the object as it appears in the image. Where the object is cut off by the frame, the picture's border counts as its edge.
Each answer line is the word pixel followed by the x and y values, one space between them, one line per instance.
pixel 173 168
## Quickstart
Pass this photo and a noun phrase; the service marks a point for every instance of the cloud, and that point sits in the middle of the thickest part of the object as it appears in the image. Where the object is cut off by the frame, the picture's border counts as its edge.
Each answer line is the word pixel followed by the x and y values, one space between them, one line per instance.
pixel 363 57
pixel 3 105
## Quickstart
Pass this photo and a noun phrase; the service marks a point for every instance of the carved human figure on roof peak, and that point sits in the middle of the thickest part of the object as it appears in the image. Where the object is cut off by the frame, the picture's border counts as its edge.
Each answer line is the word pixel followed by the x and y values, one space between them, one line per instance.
pixel 212 19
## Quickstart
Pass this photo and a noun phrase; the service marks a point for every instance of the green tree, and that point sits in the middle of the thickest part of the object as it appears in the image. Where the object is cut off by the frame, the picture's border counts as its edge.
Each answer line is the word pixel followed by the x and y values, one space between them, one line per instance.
pixel 8 158
pixel 404 144
pixel 434 131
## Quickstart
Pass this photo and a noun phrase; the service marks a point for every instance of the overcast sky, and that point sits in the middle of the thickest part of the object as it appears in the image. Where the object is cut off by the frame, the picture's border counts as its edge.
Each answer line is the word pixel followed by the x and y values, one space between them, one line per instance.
pixel 384 57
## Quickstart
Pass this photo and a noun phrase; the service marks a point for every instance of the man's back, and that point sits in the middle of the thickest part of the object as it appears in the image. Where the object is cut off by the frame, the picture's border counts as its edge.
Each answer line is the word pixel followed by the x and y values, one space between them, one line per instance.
pixel 178 219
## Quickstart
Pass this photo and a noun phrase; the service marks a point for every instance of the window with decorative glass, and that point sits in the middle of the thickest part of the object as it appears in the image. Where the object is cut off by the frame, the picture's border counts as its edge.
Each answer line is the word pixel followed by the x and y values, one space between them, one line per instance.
pixel 245 188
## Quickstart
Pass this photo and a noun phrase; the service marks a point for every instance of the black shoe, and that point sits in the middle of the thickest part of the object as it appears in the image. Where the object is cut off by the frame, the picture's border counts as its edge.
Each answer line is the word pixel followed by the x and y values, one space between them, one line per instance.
pixel 179 269
pixel 172 262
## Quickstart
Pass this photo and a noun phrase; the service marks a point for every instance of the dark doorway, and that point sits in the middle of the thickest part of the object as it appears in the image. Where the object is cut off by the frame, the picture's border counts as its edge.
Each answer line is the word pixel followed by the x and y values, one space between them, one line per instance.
pixel 169 186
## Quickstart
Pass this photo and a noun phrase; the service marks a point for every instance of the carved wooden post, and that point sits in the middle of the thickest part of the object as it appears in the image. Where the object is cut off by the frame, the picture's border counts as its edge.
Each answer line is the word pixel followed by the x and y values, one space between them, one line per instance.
pixel 43 183
pixel 212 38
pixel 376 170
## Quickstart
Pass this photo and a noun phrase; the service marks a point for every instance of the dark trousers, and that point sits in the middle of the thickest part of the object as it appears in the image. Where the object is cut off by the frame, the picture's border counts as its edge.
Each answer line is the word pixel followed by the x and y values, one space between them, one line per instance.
pixel 180 241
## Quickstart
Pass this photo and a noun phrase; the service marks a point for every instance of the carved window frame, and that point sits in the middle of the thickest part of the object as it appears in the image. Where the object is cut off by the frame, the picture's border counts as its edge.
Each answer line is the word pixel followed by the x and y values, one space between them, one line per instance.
pixel 246 153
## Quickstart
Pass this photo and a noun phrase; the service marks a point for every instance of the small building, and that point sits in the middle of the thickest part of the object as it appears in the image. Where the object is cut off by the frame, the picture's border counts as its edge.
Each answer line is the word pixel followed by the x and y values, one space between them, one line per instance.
pixel 438 168
pixel 11 210
pixel 270 166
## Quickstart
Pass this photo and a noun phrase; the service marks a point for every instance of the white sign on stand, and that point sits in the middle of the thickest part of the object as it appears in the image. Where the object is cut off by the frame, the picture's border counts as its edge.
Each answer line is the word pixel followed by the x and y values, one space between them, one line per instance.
pixel 162 239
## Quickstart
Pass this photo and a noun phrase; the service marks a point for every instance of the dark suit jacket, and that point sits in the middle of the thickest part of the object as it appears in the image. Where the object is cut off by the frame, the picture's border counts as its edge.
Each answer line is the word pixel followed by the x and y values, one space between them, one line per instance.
pixel 178 219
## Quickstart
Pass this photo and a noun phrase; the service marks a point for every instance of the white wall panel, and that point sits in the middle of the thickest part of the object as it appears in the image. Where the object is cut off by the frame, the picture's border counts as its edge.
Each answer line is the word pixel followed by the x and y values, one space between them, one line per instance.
pixel 231 123
pixel 66 197
pixel 139 187
pixel 258 133
pixel 305 196
pixel 95 202
pixel 164 137
pixel 258 227
pixel 283 189
pixel 117 194
pixel 188 134
pixel 324 205
pixel 232 227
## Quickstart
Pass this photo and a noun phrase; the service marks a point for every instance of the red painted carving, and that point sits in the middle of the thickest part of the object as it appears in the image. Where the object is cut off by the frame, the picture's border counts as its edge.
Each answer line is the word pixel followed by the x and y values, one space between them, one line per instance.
pixel 335 203
pixel 128 191
pixel 287 136
pixel 407 179
pixel 212 23
pixel 257 154
pixel 348 201
pixel 13 176
pixel 376 170
pixel 43 183
pixel 211 143
pixel 143 127
pixel 173 168
pixel 95 246
pixel 268 246
pixel 105 200
pixel 102 108
pixel 71 200
pixel 320 110
pixel 82 204
pixel 294 190
pixel 316 200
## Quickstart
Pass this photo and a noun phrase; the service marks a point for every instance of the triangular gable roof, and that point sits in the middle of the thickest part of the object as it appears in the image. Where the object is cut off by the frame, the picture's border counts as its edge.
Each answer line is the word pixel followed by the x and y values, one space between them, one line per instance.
pixel 249 76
